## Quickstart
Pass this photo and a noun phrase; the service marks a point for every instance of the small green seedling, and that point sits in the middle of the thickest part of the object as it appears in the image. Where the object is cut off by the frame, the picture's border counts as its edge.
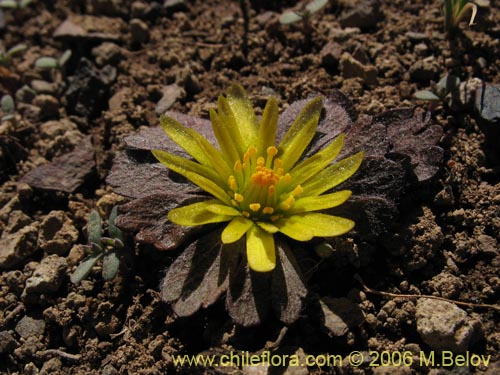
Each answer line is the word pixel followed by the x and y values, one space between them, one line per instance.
pixel 6 57
pixel 303 15
pixel 455 11
pixel 14 4
pixel 442 92
pixel 8 108
pixel 46 62
pixel 108 248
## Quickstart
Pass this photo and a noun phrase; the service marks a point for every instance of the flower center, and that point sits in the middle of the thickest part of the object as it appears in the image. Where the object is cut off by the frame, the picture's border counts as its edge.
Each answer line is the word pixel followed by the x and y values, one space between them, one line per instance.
pixel 260 188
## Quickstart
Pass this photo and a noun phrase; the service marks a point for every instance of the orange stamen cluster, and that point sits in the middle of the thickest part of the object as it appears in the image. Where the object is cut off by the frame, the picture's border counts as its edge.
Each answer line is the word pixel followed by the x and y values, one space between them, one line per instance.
pixel 260 188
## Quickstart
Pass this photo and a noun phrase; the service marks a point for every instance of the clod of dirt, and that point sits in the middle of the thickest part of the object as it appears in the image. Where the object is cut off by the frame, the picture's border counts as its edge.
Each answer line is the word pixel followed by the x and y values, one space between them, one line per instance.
pixel 88 89
pixel 339 315
pixel 78 28
pixel 7 342
pixel 57 233
pixel 363 14
pixel 352 68
pixel 28 327
pixel 58 137
pixel 47 277
pixel 107 53
pixel 171 94
pixel 444 326
pixel 139 31
pixel 49 106
pixel 16 247
pixel 65 173
pixel 17 220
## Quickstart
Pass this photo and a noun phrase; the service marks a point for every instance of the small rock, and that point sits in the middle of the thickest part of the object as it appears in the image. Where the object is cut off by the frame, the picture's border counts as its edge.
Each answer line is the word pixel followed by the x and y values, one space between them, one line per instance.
pixel 340 315
pixel 488 102
pixel 15 247
pixel 425 70
pixel 363 14
pixel 49 105
pixel 88 89
pixel 57 233
pixel 351 68
pixel 51 366
pixel 29 326
pixel 90 28
pixel 47 277
pixel 106 203
pixel 25 94
pixel 171 94
pixel 330 55
pixel 107 53
pixel 444 326
pixel 139 31
pixel 7 342
pixel 175 5
pixel 416 37
pixel 17 220
pixel 44 87
pixel 467 92
pixel 448 285
pixel 488 245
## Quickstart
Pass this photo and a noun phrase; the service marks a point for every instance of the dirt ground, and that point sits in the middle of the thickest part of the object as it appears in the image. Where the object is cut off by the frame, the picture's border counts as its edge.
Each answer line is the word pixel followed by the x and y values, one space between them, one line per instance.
pixel 130 62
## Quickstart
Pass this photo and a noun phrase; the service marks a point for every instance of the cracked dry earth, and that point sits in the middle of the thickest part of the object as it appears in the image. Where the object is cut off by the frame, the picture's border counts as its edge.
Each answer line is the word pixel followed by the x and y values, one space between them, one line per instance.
pixel 426 201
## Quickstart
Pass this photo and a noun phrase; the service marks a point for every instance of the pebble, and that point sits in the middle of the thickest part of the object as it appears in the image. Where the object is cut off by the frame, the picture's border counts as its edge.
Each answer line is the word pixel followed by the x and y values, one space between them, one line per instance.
pixel 16 247
pixel 340 315
pixel 363 14
pixel 330 55
pixel 171 94
pixel 444 326
pixel 107 53
pixel 139 31
pixel 47 277
pixel 29 326
pixel 57 233
pixel 43 87
pixel 352 68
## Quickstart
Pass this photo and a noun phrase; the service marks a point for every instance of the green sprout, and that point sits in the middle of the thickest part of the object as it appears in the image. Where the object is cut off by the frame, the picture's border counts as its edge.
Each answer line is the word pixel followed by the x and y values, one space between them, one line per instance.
pixel 303 15
pixel 8 108
pixel 108 248
pixel 6 56
pixel 442 92
pixel 259 187
pixel 455 11
pixel 46 62
pixel 14 4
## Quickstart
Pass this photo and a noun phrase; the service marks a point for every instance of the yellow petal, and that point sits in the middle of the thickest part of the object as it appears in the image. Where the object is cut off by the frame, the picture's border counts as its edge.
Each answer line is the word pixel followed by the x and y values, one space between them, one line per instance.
pixel 333 175
pixel 260 250
pixel 183 137
pixel 200 175
pixel 319 202
pixel 227 143
pixel 323 225
pixel 244 114
pixel 300 134
pixel 295 229
pixel 268 227
pixel 230 123
pixel 235 229
pixel 219 208
pixel 316 163
pixel 268 126
pixel 196 214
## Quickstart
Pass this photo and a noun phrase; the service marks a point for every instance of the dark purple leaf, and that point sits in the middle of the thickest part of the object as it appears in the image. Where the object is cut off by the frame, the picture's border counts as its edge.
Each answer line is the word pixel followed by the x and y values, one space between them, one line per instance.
pixel 287 287
pixel 148 217
pixel 65 173
pixel 248 299
pixel 139 174
pixel 199 276
pixel 410 135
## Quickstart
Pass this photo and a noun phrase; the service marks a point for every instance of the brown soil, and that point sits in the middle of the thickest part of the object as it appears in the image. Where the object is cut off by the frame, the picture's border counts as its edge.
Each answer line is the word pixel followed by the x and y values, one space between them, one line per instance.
pixel 445 243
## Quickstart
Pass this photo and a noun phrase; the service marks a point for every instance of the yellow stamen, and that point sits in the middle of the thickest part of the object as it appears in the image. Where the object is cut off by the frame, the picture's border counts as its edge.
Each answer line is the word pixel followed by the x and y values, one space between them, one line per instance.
pixel 246 213
pixel 297 191
pixel 232 183
pixel 234 203
pixel 267 210
pixel 275 218
pixel 254 206
pixel 237 166
pixel 238 197
pixel 271 151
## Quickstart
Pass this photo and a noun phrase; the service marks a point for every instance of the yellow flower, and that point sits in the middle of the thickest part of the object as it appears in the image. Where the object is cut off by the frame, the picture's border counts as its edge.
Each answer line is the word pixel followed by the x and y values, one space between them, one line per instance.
pixel 259 187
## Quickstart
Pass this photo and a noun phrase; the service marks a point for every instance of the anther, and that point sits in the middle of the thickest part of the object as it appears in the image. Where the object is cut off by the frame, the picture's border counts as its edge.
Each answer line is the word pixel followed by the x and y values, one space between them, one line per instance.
pixel 238 197
pixel 254 206
pixel 267 210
